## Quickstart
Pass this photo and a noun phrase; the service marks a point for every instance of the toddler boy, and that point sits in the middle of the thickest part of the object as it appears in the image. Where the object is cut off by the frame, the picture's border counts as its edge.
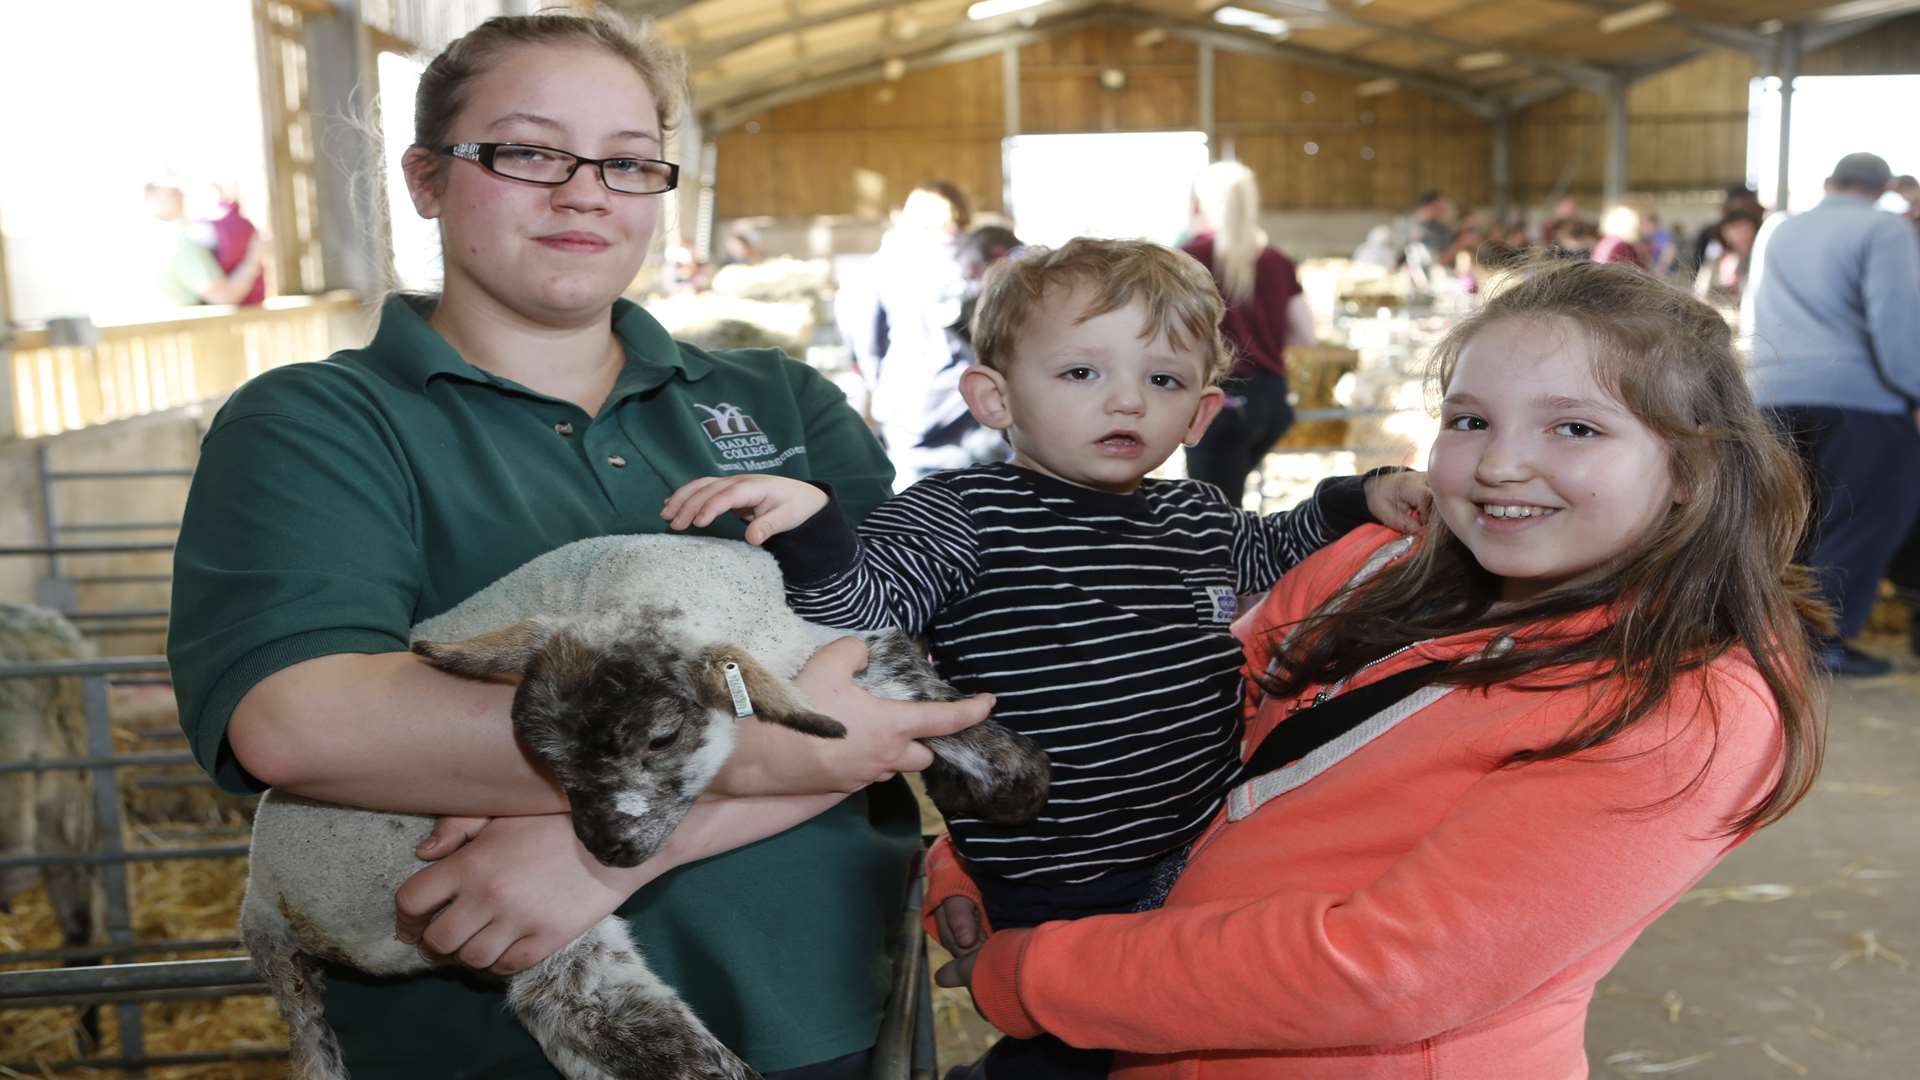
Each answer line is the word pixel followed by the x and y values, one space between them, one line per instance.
pixel 1092 602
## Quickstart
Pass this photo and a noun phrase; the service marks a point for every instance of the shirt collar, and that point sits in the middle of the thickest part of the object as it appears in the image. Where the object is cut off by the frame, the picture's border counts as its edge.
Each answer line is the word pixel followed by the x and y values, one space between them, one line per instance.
pixel 1846 198
pixel 405 341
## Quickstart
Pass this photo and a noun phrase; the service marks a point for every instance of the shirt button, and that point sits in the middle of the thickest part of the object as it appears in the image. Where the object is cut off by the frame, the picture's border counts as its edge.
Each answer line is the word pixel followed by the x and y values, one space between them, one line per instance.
pixel 564 427
pixel 616 461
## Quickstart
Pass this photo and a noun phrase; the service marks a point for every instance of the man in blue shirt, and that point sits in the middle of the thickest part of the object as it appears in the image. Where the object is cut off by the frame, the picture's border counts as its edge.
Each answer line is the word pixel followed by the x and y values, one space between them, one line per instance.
pixel 1836 358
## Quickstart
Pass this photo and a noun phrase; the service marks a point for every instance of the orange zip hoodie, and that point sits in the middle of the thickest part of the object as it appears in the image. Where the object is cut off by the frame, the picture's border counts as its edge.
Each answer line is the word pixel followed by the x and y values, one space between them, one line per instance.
pixel 1413 910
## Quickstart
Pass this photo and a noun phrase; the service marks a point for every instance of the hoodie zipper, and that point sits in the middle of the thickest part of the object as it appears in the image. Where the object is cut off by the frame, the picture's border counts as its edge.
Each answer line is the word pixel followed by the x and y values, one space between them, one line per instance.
pixel 1328 692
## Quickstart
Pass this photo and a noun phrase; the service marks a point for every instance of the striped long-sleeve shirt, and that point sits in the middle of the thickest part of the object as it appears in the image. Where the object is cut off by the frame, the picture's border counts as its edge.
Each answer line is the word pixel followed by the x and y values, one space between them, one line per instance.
pixel 1098 621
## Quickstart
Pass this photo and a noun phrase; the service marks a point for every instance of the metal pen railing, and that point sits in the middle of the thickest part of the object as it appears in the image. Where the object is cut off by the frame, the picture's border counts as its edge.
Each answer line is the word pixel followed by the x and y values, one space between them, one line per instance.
pixel 112 855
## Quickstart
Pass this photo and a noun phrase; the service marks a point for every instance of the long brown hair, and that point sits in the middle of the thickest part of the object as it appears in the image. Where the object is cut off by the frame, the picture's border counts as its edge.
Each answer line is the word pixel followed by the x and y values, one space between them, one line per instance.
pixel 1715 575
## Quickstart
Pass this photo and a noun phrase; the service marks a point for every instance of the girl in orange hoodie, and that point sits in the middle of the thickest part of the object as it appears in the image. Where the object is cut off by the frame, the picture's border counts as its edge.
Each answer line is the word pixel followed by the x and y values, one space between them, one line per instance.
pixel 1501 748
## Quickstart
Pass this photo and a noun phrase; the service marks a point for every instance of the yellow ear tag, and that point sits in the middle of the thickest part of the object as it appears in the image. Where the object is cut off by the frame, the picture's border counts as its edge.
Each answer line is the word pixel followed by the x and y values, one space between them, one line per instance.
pixel 737 686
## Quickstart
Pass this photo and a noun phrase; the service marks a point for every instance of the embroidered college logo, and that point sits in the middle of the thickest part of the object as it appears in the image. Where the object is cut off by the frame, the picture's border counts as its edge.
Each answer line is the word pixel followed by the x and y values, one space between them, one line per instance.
pixel 741 443
pixel 726 420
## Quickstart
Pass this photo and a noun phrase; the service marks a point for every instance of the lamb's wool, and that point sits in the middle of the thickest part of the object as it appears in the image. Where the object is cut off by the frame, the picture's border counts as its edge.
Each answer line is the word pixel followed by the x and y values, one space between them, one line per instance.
pixel 727 592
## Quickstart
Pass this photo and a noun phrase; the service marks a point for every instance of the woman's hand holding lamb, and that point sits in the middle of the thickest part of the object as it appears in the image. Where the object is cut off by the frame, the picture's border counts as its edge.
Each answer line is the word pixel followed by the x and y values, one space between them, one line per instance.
pixel 771 760
pixel 510 897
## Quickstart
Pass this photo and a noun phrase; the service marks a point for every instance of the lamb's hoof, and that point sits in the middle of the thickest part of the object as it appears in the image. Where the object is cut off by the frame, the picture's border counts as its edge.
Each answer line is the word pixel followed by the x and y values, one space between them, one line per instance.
pixel 1013 798
pixel 718 1064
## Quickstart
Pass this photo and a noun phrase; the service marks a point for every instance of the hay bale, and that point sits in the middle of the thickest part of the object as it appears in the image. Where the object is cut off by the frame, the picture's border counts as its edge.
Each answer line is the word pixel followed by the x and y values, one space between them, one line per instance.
pixel 187 899
pixel 717 321
pixel 782 280
pixel 1312 374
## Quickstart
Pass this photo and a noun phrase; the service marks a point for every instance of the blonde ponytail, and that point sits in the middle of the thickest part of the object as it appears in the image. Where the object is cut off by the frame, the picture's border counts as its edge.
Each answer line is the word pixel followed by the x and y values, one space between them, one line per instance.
pixel 1229 201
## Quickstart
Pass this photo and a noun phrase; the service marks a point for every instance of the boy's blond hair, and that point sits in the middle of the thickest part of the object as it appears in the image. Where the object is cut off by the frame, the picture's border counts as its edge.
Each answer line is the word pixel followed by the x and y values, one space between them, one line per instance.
pixel 1181 298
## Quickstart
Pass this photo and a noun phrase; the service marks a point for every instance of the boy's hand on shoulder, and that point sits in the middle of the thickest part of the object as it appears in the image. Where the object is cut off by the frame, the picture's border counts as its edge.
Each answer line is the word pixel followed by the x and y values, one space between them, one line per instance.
pixel 772 504
pixel 1400 500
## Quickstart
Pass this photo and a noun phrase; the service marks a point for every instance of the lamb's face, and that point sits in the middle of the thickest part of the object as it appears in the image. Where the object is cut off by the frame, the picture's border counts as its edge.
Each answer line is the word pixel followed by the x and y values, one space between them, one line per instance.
pixel 625 732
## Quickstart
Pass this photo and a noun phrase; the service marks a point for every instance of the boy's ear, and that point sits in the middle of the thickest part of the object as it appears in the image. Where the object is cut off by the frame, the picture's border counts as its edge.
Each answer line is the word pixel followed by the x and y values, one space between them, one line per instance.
pixel 985 391
pixel 1208 407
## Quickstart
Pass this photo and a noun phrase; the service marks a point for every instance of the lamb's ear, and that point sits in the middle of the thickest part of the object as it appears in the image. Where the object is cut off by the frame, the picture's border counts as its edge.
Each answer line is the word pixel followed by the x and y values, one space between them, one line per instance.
pixel 505 651
pixel 770 699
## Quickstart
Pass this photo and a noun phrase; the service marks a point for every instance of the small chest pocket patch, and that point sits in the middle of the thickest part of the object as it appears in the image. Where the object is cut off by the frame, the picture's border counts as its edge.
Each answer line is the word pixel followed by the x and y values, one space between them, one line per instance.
pixel 1225 604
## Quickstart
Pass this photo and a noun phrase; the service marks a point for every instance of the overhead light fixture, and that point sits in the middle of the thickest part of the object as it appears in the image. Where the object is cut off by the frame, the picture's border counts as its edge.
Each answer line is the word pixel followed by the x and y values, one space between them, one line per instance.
pixel 1481 61
pixel 1258 21
pixel 1638 15
pixel 988 9
pixel 1376 87
pixel 1147 39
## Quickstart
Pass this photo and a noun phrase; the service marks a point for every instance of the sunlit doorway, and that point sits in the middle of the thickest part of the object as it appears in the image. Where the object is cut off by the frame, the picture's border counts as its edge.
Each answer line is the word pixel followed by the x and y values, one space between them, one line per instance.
pixel 1125 185
pixel 1833 115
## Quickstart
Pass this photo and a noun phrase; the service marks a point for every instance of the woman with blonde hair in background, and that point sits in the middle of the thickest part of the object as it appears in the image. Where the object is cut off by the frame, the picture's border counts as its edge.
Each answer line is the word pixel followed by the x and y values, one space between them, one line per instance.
pixel 1266 312
pixel 1621 233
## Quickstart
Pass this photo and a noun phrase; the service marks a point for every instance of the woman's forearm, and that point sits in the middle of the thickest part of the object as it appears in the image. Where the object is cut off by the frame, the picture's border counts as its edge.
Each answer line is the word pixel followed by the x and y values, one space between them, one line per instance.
pixel 390 732
pixel 718 824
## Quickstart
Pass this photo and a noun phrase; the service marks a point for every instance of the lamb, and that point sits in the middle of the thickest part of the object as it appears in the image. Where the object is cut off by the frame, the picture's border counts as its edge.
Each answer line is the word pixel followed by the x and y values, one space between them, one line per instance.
pixel 636 654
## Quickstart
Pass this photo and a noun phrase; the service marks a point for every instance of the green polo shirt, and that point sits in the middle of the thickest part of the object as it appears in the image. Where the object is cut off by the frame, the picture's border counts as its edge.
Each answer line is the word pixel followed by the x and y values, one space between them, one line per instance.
pixel 336 504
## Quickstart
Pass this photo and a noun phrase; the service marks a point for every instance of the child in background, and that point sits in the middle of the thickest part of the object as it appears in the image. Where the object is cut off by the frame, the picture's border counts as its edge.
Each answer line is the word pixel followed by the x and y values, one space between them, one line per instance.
pixel 1481 760
pixel 1094 603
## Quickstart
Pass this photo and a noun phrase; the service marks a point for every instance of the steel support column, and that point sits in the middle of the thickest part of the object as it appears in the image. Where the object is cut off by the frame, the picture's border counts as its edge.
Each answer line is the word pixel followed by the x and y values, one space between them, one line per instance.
pixel 1616 166
pixel 1789 70
pixel 1501 165
pixel 1206 101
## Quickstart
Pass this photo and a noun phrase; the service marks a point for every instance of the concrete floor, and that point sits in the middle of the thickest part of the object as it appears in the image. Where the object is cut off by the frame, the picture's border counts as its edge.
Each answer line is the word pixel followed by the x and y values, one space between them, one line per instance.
pixel 1798 957
pixel 1800 954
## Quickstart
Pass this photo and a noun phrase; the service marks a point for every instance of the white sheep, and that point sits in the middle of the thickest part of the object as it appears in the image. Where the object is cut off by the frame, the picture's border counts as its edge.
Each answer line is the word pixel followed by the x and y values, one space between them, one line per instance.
pixel 630 652
pixel 47 813
pixel 50 812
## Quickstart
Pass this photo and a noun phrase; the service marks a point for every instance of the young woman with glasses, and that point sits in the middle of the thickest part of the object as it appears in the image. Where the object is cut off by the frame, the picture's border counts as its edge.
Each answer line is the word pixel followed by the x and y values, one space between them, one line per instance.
pixel 524 407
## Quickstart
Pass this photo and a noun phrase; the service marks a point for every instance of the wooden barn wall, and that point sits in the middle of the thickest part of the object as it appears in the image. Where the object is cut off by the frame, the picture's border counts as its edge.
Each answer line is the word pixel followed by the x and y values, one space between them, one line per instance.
pixel 1313 141
pixel 1892 48
pixel 1316 144
pixel 859 151
pixel 1686 131
pixel 1060 87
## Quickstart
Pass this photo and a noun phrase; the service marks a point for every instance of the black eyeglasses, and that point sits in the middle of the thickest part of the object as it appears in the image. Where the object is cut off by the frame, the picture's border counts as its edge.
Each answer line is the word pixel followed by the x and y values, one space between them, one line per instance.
pixel 545 165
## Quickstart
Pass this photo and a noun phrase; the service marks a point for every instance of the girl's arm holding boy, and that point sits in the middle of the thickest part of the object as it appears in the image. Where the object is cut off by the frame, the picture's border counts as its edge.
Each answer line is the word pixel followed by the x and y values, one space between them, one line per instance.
pixel 1267 546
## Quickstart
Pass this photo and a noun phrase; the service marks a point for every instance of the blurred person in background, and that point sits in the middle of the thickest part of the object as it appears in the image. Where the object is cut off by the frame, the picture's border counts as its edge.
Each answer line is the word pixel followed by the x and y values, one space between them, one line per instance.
pixel 186 270
pixel 1723 276
pixel 1433 221
pixel 1621 236
pixel 908 357
pixel 1739 198
pixel 1566 213
pixel 742 245
pixel 1836 360
pixel 1266 312
pixel 1909 189
pixel 232 237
